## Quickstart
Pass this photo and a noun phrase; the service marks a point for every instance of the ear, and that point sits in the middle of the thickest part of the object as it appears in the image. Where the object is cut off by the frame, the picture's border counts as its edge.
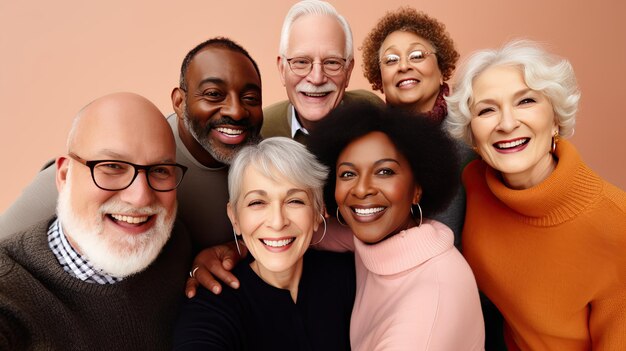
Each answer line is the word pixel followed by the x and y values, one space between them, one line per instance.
pixel 62 165
pixel 555 127
pixel 349 71
pixel 318 220
pixel 233 218
pixel 281 64
pixel 417 194
pixel 178 98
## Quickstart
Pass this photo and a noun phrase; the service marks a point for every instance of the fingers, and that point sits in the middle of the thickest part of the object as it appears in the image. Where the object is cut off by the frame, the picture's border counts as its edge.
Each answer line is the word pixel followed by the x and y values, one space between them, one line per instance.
pixel 190 287
pixel 206 279
pixel 211 266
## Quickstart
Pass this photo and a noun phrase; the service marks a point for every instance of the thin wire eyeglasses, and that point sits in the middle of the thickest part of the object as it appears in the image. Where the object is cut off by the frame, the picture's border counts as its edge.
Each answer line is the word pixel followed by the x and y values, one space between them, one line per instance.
pixel 415 56
pixel 302 66
pixel 115 175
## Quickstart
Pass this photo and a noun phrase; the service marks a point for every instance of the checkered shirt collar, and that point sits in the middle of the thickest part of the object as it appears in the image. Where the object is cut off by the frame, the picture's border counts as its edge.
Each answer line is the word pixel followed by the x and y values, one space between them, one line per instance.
pixel 71 261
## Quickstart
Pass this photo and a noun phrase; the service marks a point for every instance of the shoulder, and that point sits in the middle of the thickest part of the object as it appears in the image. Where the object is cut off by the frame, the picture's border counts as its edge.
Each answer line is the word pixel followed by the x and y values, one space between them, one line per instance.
pixel 362 96
pixel 275 120
pixel 23 249
pixel 453 270
pixel 473 173
pixel 276 110
pixel 615 196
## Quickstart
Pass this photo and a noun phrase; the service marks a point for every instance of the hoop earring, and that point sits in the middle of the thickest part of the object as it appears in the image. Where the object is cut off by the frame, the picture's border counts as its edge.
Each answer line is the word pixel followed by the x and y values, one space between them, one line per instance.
pixel 339 220
pixel 323 234
pixel 413 214
pixel 555 139
pixel 236 242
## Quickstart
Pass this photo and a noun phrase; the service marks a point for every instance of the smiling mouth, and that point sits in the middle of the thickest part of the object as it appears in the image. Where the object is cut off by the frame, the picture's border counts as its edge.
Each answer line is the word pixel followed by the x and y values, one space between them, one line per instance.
pixel 361 212
pixel 136 220
pixel 229 131
pixel 407 82
pixel 511 144
pixel 315 95
pixel 277 243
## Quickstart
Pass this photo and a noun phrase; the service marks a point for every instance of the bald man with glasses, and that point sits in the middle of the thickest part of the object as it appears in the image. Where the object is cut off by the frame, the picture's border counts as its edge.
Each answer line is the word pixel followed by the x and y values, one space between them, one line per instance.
pixel 107 271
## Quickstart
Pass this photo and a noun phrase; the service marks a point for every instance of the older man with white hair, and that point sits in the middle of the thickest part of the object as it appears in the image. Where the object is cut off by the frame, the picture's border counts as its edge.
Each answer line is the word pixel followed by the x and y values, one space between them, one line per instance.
pixel 315 61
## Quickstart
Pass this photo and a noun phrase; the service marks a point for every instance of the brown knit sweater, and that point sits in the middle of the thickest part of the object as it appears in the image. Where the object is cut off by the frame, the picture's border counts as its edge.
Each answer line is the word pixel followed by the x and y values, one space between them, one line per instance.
pixel 44 308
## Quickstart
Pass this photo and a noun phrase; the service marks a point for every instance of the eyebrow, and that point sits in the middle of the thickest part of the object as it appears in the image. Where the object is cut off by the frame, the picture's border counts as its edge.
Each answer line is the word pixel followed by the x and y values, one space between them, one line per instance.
pixel 411 46
pixel 264 193
pixel 382 160
pixel 515 96
pixel 220 81
pixel 113 155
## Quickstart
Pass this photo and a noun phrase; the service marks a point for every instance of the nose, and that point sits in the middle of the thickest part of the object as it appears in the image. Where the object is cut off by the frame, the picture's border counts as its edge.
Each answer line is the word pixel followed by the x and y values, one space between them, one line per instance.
pixel 139 193
pixel 508 122
pixel 363 187
pixel 316 76
pixel 404 64
pixel 233 108
pixel 277 219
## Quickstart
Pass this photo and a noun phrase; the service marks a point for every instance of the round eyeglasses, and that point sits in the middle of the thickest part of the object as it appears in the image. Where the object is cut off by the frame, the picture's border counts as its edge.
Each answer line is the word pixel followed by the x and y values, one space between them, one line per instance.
pixel 302 66
pixel 415 56
pixel 114 175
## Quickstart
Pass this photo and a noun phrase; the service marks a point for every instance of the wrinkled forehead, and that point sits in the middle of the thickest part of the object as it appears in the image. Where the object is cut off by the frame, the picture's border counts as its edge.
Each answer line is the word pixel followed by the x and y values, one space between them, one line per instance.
pixel 217 64
pixel 316 35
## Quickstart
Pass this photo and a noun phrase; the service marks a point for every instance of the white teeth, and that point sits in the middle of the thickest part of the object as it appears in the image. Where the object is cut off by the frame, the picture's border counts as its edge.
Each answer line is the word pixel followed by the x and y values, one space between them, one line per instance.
pixel 511 144
pixel 407 82
pixel 229 131
pixel 368 211
pixel 129 219
pixel 277 243
pixel 316 94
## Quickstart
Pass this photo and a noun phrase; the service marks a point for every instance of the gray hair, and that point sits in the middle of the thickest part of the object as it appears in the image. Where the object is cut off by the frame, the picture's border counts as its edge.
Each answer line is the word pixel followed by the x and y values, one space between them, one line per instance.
pixel 314 7
pixel 279 157
pixel 548 74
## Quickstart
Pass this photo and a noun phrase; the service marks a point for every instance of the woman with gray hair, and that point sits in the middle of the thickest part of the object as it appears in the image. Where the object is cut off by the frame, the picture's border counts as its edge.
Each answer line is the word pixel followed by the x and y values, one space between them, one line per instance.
pixel 544 234
pixel 290 298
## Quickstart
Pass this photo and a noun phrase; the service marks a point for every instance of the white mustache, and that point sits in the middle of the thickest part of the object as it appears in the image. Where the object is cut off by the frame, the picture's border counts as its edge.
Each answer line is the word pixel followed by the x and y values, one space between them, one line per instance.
pixel 305 87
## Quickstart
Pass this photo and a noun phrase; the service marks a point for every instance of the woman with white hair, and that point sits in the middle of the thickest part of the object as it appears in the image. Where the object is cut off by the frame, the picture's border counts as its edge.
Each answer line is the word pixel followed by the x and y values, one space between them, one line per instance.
pixel 544 234
pixel 290 298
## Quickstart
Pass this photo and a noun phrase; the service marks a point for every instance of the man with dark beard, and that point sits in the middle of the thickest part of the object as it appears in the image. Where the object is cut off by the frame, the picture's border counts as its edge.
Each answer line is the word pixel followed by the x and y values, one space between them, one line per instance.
pixel 107 271
pixel 217 111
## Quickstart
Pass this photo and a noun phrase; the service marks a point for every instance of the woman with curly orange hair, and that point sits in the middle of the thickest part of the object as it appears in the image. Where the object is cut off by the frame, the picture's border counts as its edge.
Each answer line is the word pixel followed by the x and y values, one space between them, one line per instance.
pixel 409 56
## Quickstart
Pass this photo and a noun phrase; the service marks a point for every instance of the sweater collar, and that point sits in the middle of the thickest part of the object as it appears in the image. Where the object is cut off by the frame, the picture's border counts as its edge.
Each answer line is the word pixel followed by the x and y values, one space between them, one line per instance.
pixel 407 249
pixel 570 188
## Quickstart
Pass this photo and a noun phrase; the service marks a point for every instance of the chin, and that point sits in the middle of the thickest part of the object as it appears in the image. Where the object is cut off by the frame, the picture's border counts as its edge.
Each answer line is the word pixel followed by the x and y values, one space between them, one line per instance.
pixel 114 253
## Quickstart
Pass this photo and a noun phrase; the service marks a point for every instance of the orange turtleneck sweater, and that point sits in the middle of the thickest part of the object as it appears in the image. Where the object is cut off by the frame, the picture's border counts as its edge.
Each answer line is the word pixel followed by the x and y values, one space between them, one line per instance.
pixel 552 258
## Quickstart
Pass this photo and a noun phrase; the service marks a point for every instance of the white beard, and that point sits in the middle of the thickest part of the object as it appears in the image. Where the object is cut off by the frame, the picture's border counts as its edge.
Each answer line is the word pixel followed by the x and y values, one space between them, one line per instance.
pixel 115 254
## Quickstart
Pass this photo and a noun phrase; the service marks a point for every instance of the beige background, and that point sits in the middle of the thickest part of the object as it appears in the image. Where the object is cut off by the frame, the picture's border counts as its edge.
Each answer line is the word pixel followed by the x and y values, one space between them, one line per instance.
pixel 59 55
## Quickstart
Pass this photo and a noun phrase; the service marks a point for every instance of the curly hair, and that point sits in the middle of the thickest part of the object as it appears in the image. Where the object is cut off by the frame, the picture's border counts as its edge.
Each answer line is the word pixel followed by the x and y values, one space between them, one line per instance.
pixel 430 152
pixel 407 19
